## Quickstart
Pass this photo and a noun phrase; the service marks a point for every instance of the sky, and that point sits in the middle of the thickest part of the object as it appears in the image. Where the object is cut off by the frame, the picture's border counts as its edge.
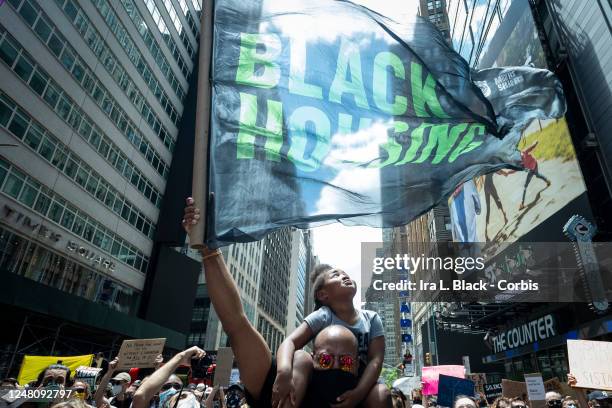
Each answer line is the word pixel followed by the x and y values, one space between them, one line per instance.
pixel 336 244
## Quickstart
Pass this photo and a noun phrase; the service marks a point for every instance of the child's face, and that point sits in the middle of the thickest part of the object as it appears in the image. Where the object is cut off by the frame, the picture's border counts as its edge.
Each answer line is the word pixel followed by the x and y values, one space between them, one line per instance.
pixel 338 284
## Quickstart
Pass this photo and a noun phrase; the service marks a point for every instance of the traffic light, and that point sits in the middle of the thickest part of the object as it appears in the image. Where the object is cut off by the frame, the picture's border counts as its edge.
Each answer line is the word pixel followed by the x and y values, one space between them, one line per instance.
pixel 428 359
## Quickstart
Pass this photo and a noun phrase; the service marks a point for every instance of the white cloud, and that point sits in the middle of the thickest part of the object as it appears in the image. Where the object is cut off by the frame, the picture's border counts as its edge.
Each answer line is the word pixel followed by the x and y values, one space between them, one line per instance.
pixel 340 246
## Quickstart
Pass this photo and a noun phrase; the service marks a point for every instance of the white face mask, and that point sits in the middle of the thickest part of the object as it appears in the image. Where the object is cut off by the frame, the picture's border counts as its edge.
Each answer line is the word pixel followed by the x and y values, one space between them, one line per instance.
pixel 117 388
pixel 189 401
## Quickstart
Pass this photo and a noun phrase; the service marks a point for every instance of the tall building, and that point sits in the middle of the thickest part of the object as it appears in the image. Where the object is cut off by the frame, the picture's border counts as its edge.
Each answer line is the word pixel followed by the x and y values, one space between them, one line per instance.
pixel 302 261
pixel 92 98
pixel 273 296
pixel 435 11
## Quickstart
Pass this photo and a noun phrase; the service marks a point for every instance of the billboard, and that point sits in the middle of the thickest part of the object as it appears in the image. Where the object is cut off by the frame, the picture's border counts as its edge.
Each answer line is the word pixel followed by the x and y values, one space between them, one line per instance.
pixel 506 205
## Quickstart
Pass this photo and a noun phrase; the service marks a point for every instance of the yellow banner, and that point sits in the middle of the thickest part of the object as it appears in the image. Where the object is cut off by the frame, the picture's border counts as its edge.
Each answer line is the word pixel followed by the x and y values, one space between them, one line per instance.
pixel 32 366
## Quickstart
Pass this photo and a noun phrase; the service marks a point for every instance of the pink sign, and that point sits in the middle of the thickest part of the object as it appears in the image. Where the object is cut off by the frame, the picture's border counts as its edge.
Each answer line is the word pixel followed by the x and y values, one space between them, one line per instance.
pixel 431 376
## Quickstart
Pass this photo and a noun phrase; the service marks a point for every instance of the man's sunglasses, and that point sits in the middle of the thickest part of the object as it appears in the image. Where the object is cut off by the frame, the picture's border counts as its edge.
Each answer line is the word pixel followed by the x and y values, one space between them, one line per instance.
pixel 167 386
pixel 553 403
pixel 79 390
pixel 345 361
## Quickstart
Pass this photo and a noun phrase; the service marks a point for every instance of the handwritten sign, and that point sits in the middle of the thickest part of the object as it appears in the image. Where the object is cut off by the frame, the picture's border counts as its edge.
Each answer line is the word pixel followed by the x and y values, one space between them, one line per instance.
pixel 88 375
pixel 431 376
pixel 451 387
pixel 535 387
pixel 225 361
pixel 140 353
pixel 591 363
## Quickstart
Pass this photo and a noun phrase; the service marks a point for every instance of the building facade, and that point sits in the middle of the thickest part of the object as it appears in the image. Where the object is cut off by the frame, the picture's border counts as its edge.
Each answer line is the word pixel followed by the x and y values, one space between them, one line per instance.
pixel 91 101
pixel 435 11
pixel 570 38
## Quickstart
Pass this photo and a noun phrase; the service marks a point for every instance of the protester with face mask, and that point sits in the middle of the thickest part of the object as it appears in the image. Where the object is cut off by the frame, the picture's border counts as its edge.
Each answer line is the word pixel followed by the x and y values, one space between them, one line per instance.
pixel 80 390
pixel 99 397
pixel 569 402
pixel 55 376
pixel 553 399
pixel 166 383
pixel 600 399
pixel 519 403
pixel 120 384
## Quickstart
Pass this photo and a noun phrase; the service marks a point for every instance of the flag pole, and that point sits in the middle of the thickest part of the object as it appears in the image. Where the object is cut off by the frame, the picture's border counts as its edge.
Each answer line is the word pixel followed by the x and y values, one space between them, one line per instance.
pixel 199 188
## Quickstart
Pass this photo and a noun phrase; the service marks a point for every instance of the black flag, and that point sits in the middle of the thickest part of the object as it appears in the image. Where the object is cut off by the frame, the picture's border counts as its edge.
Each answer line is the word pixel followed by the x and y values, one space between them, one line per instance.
pixel 327 111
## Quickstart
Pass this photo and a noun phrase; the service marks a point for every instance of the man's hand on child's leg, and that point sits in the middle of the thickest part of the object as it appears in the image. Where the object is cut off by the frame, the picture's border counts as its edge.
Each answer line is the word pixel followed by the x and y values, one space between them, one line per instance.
pixel 283 390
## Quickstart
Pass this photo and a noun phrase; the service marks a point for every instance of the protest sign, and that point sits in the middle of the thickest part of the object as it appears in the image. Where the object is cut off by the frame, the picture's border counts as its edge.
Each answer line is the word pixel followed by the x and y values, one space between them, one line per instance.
pixel 431 376
pixel 450 387
pixel 480 379
pixel 139 353
pixel 513 389
pixel 492 391
pixel 33 365
pixel 225 361
pixel 535 389
pixel 234 376
pixel 591 363
pixel 88 375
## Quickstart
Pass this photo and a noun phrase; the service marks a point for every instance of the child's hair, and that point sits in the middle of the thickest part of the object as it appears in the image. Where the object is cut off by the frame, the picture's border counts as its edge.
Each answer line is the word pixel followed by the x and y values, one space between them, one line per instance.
pixel 317 279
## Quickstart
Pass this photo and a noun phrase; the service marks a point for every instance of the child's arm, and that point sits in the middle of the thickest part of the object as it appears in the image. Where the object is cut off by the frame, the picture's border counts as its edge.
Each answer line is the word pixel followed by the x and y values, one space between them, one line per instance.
pixel 283 385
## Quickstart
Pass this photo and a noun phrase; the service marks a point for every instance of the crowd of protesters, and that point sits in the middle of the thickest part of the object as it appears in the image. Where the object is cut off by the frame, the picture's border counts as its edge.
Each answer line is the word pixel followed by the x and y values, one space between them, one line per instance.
pixel 163 388
pixel 342 371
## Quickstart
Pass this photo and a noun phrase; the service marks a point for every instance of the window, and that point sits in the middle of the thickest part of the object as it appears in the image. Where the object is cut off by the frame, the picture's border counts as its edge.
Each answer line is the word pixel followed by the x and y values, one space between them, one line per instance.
pixel 28 13
pixel 5 113
pixel 56 45
pixel 47 149
pixel 28 194
pixel 43 29
pixel 42 203
pixel 55 212
pixel 8 53
pixel 51 95
pixel 18 125
pixel 38 83
pixel 23 68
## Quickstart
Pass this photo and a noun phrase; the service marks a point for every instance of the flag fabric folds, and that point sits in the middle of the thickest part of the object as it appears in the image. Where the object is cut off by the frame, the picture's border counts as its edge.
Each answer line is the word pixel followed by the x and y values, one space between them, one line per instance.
pixel 326 111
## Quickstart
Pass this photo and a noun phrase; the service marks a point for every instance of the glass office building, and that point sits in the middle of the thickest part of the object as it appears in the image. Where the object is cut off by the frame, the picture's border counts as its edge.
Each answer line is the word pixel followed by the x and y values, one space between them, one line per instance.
pixel 91 101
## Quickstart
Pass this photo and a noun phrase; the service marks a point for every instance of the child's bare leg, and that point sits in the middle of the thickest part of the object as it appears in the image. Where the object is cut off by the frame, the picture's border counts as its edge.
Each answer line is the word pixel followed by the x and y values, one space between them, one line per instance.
pixel 378 397
pixel 302 369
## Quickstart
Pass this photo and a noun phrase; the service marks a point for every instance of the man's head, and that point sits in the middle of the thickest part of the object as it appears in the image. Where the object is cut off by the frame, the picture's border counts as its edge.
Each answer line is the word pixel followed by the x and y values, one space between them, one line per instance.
pixel 600 399
pixel 131 390
pixel 331 283
pixel 335 347
pixel 463 401
pixel 553 399
pixel 335 362
pixel 569 402
pixel 80 390
pixel 120 383
pixel 55 374
pixel 519 403
pixel 100 355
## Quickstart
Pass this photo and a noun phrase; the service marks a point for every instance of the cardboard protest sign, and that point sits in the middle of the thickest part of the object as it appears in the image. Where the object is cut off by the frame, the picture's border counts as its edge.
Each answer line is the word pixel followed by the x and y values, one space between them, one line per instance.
pixel 492 391
pixel 535 389
pixel 431 376
pixel 513 389
pixel 139 353
pixel 451 387
pixel 225 361
pixel 88 375
pixel 591 363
